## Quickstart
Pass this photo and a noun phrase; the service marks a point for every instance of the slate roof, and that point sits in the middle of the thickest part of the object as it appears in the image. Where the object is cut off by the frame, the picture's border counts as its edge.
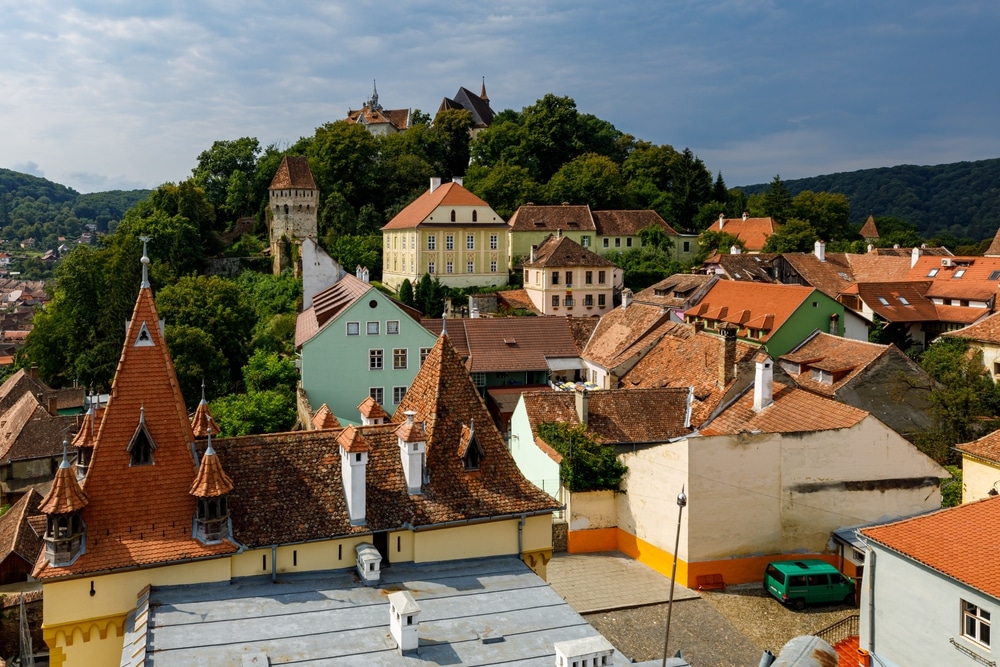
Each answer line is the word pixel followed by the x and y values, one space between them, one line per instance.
pixel 629 222
pixel 532 218
pixel 793 411
pixel 140 514
pixel 614 415
pixel 16 534
pixel 751 306
pixel 986 448
pixel 497 344
pixel 477 105
pixel 620 331
pixel 752 231
pixel 676 290
pixel 686 358
pixel 562 251
pixel 420 211
pixel 843 357
pixel 950 541
pixel 293 174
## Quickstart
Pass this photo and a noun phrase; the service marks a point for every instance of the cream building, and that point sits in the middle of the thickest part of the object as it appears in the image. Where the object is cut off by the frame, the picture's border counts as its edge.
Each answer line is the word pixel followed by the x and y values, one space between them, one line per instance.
pixel 449 233
pixel 563 278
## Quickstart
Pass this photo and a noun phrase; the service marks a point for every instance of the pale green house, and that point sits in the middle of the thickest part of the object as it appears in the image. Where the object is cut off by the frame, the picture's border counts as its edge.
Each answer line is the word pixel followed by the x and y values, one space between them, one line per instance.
pixel 355 342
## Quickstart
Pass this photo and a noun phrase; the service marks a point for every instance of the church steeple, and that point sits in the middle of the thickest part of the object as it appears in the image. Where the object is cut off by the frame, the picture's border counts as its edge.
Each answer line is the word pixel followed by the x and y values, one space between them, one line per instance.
pixel 373 102
pixel 482 93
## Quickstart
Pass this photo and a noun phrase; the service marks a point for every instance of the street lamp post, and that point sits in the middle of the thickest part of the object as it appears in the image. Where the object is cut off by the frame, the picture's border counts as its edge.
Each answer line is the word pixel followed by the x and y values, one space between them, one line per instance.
pixel 681 502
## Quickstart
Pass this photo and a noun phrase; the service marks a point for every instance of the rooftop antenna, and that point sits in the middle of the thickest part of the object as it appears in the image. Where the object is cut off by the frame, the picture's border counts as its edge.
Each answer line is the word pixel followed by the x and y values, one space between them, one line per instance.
pixel 145 263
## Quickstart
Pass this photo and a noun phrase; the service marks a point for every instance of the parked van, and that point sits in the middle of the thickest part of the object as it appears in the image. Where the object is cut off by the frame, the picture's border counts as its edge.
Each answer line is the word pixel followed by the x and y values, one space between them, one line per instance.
pixel 801 582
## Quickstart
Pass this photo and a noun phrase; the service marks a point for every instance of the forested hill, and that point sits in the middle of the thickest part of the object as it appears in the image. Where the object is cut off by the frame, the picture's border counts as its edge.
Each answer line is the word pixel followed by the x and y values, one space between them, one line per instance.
pixel 961 199
pixel 36 207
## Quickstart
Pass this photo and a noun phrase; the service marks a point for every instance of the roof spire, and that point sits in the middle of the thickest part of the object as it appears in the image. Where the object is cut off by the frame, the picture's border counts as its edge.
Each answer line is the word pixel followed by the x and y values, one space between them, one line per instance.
pixel 483 94
pixel 145 263
pixel 210 451
pixel 373 102
pixel 65 459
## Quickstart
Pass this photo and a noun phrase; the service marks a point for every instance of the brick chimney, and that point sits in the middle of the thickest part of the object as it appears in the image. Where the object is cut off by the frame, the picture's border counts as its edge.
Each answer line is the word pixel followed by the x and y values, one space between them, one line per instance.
pixel 727 354
pixel 582 405
pixel 53 405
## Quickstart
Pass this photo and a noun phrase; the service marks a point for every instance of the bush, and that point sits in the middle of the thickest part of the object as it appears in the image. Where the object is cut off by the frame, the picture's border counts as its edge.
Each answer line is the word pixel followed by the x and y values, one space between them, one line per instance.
pixel 587 465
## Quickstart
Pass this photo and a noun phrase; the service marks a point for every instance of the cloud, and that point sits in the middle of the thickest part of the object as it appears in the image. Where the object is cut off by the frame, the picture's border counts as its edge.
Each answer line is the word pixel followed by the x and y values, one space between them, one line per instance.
pixel 29 168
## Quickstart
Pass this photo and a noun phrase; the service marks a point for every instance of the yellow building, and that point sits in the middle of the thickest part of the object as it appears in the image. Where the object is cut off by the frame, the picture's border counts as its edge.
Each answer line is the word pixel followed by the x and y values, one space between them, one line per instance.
pixel 159 505
pixel 980 467
pixel 449 233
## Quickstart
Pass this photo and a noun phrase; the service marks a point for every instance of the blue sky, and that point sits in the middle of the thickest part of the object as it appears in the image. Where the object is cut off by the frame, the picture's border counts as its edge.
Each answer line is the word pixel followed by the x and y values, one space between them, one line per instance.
pixel 117 94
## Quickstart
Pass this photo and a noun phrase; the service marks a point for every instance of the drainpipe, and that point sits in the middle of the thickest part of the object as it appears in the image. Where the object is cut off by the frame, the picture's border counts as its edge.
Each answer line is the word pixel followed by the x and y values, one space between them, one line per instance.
pixel 520 538
pixel 274 563
pixel 870 571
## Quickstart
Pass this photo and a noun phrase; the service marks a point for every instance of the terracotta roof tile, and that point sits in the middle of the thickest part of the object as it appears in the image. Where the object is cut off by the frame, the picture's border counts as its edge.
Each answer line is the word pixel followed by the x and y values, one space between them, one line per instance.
pixel 830 276
pixel 875 267
pixel 793 411
pixel 621 329
pixel 86 436
pixel 629 222
pixel 844 358
pixel 952 542
pixel 868 230
pixel 994 249
pixel 30 432
pixel 615 415
pixel 324 418
pixel 517 299
pixel 293 173
pixel 65 496
pixel 211 480
pixel 986 447
pixel 497 344
pixel 986 330
pixel 16 534
pixel 201 422
pixel 351 440
pixel 759 306
pixel 676 290
pixel 752 231
pixel 531 218
pixel 746 267
pixel 371 409
pixel 898 301
pixel 117 534
pixel 449 194
pixel 562 251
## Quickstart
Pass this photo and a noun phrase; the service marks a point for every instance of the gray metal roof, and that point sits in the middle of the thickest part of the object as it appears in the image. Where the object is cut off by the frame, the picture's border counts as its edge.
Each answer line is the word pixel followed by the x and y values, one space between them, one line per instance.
pixel 330 618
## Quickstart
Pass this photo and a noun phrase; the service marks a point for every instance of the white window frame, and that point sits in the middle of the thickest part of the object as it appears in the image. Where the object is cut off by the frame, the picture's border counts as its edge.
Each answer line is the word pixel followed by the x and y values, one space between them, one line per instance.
pixel 392 327
pixel 494 241
pixel 493 266
pixel 470 266
pixel 470 241
pixel 372 328
pixel 376 359
pixel 397 395
pixel 479 379
pixel 449 267
pixel 974 620
pixel 377 394
pixel 585 240
pixel 356 326
pixel 399 359
pixel 431 242
pixel 430 267
pixel 424 351
pixel 449 242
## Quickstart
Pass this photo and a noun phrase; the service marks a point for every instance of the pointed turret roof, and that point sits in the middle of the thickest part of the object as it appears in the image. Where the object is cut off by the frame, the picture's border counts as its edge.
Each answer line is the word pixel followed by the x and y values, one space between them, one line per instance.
pixel 201 423
pixel 868 230
pixel 212 481
pixel 65 496
pixel 411 431
pixel 141 514
pixel 293 173
pixel 482 93
pixel 371 409
pixel 86 437
pixel 352 440
pixel 324 418
pixel 994 249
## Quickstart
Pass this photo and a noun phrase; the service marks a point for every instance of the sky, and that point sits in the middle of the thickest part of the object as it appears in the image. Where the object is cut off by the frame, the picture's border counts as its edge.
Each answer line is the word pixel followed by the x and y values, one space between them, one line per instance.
pixel 115 94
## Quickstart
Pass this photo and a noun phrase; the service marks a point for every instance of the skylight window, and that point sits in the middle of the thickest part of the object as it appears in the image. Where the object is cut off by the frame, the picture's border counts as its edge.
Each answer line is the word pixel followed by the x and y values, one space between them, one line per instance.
pixel 995 275
pixel 902 300
pixel 932 273
pixel 959 273
pixel 883 301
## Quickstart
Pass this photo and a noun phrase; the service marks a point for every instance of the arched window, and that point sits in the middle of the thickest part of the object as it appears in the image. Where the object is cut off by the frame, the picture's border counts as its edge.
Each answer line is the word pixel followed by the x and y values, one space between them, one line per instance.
pixel 474 216
pixel 453 216
pixel 286 209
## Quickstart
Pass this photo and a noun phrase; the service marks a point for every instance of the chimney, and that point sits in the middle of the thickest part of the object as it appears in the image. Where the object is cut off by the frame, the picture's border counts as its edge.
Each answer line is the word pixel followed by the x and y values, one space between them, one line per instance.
pixel 626 298
pixel 722 221
pixel 870 247
pixel 820 250
pixel 53 405
pixel 457 180
pixel 357 271
pixel 763 385
pixel 582 406
pixel 734 250
pixel 834 324
pixel 368 563
pixel 727 358
pixel 534 253
pixel 403 623
pixel 34 370
pixel 914 256
pixel 353 461
pixel 412 443
pixel 595 650
pixel 364 274
pixel 745 216
pixel 435 183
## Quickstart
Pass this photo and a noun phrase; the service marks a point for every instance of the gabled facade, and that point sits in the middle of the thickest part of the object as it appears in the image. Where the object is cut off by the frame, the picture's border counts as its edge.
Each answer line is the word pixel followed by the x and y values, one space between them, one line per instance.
pixel 354 331
pixel 931 591
pixel 378 120
pixel 449 233
pixel 622 337
pixel 678 292
pixel 478 107
pixel 564 279
pixel 752 231
pixel 983 335
pixel 980 467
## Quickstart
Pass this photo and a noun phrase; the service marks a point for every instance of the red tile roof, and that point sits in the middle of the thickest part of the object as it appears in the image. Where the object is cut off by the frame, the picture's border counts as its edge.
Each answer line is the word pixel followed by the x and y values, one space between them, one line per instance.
pixel 211 481
pixel 977 271
pixel 958 542
pixel 497 344
pixel 793 411
pixel 517 299
pixel 986 448
pixel 351 439
pixel 986 330
pixel 620 330
pixel 843 357
pixel 65 496
pixel 562 251
pixel 202 421
pixel 868 230
pixel 449 194
pixel 140 514
pixel 371 409
pixel 324 418
pixel 676 290
pixel 293 173
pixel 916 307
pixel 830 276
pixel 16 534
pixel 629 222
pixel 752 231
pixel 531 218
pixel 751 305
pixel 994 249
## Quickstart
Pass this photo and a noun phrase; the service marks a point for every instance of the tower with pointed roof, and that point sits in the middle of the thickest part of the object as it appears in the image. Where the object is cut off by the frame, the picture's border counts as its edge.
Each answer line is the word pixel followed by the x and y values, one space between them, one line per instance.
pixel 292 208
pixel 65 530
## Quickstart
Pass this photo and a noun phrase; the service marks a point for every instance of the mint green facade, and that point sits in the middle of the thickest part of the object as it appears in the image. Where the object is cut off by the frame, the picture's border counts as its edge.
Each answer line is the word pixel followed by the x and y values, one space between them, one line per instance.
pixel 814 313
pixel 341 369
pixel 537 466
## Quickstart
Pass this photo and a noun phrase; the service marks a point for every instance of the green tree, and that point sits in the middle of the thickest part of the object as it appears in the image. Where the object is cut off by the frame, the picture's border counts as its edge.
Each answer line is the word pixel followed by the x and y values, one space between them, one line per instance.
pixel 406 293
pixel 254 412
pixel 344 158
pixel 692 187
pixel 794 236
pixel 504 186
pixel 721 242
pixel 588 179
pixel 270 371
pixel 197 360
pixel 587 465
pixel 353 251
pixel 778 201
pixel 826 212
pixel 452 127
pixel 218 167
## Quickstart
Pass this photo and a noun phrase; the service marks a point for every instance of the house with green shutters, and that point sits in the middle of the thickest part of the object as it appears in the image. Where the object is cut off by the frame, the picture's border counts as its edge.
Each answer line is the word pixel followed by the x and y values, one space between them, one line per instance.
pixel 355 342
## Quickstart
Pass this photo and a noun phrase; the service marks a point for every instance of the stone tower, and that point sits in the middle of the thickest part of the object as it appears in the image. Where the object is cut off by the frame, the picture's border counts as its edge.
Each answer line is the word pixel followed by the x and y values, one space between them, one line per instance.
pixel 293 204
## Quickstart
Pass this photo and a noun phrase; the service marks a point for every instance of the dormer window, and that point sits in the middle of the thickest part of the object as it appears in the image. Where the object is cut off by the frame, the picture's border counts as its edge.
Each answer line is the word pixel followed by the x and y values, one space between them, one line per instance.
pixel 469 448
pixel 472 458
pixel 141 447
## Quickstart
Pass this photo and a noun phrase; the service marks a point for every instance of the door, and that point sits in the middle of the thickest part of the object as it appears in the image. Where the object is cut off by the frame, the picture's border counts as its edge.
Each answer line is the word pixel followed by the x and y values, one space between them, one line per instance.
pixel 381 543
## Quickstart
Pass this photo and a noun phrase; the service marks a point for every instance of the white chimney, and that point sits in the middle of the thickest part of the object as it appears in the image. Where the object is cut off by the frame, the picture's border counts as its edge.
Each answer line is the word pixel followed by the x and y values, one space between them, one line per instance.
pixel 357 272
pixel 820 249
pixel 369 563
pixel 594 650
pixel 435 183
pixel 763 385
pixel 914 256
pixel 745 216
pixel 403 624
pixel 353 461
pixel 534 253
pixel 457 180
pixel 722 220
pixel 734 250
pixel 626 298
pixel 412 451
pixel 364 274
pixel 582 405
pixel 870 247
pixel 474 313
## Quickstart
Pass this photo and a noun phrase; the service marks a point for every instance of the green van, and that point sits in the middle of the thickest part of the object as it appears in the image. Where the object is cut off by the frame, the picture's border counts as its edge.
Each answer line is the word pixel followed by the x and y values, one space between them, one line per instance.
pixel 801 582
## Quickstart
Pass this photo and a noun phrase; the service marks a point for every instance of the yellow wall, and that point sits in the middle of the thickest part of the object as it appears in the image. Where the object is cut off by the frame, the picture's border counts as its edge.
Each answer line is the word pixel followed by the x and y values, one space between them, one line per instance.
pixel 401 546
pixel 468 541
pixel 978 477
pixel 537 533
